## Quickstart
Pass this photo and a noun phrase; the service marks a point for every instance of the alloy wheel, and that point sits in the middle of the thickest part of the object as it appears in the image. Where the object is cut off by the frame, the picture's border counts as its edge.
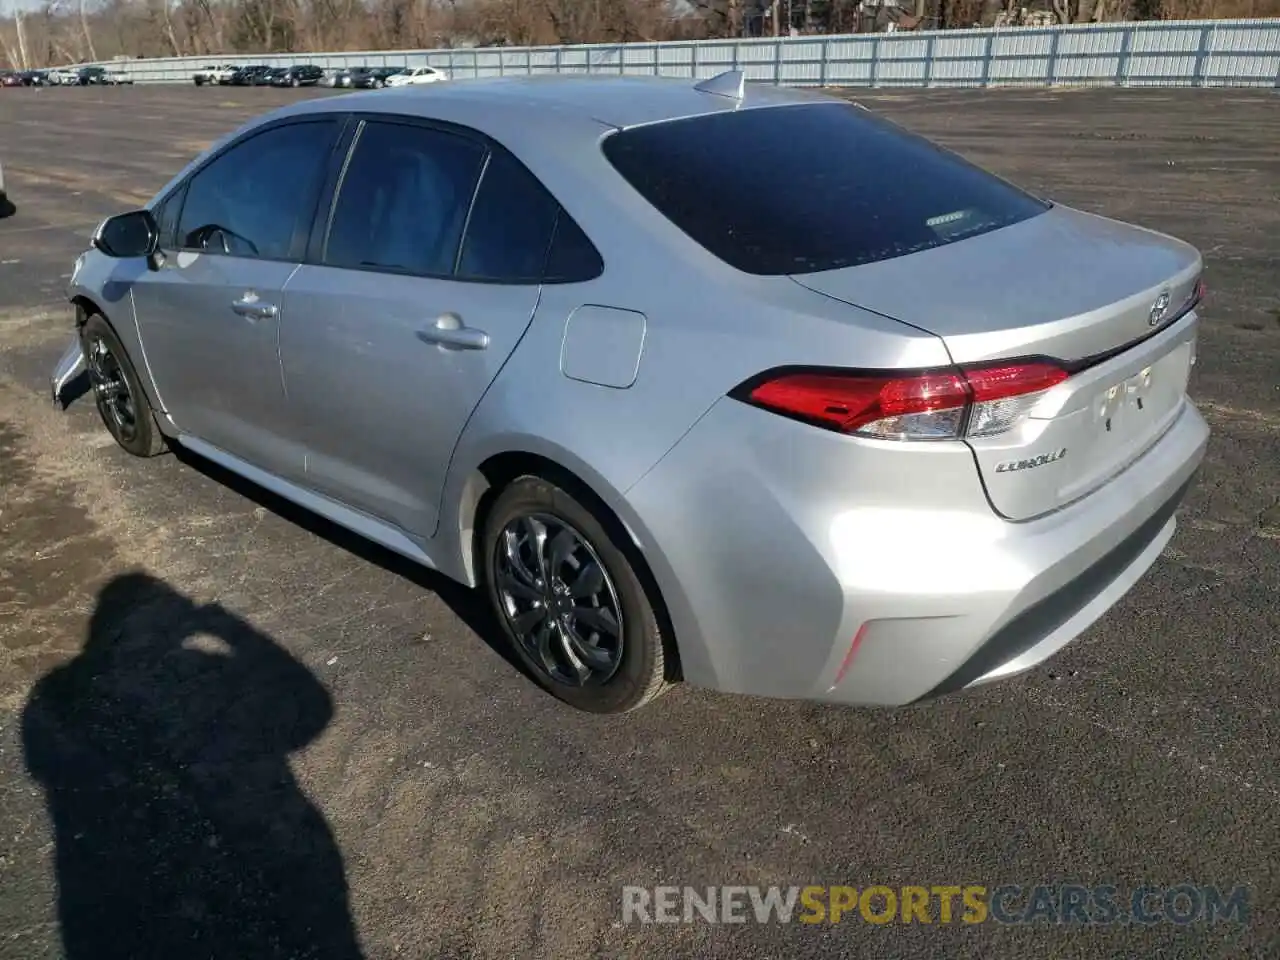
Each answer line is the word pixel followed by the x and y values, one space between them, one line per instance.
pixel 559 600
pixel 111 390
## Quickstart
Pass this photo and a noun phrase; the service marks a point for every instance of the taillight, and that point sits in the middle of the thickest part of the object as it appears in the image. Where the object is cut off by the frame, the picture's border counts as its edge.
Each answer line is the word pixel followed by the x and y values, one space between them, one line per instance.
pixel 1197 294
pixel 1003 395
pixel 929 405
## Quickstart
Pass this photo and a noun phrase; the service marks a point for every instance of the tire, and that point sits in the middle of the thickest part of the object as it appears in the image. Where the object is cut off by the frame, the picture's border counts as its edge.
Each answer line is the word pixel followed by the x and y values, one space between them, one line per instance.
pixel 295 82
pixel 630 662
pixel 111 373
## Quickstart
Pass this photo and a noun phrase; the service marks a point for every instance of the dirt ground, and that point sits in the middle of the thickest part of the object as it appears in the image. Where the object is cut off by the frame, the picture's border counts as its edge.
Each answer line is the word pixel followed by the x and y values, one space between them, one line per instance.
pixel 228 730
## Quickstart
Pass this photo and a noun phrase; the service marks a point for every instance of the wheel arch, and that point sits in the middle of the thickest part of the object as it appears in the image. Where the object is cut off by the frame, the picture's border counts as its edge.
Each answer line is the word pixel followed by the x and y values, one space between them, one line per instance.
pixel 488 478
pixel 85 306
pixel 127 333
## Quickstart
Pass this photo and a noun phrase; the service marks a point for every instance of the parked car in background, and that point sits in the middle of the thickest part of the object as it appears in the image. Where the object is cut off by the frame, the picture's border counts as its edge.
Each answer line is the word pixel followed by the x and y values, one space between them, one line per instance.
pixel 267 78
pixel 214 74
pixel 379 76
pixel 63 76
pixel 118 78
pixel 10 78
pixel 369 78
pixel 35 78
pixel 864 438
pixel 351 77
pixel 247 76
pixel 300 75
pixel 335 78
pixel 413 76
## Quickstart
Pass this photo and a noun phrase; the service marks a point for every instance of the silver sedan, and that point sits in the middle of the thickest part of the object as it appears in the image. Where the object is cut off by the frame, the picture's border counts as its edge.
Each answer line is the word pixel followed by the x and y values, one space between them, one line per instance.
pixel 730 384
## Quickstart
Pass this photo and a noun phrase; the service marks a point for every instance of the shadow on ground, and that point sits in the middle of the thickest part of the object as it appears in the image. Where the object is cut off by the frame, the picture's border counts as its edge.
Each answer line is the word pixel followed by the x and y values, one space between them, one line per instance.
pixel 467 605
pixel 162 749
pixel 7 209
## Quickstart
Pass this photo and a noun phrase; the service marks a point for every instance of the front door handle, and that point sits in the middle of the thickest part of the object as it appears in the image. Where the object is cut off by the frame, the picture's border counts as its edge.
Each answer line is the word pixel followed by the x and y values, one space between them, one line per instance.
pixel 254 309
pixel 449 331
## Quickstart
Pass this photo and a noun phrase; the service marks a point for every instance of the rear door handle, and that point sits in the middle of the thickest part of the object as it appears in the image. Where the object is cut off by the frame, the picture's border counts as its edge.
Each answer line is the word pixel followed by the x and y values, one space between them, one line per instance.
pixel 254 309
pixel 449 331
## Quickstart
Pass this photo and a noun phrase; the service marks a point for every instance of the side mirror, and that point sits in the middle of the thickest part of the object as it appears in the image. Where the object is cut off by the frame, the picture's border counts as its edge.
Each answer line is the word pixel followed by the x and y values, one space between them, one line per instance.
pixel 128 235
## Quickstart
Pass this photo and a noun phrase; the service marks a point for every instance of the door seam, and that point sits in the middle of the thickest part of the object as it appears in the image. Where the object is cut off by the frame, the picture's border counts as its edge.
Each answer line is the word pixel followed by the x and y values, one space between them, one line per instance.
pixel 284 384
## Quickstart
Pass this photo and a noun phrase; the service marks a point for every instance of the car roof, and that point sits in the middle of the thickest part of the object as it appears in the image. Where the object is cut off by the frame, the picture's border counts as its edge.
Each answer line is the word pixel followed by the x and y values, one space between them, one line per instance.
pixel 614 101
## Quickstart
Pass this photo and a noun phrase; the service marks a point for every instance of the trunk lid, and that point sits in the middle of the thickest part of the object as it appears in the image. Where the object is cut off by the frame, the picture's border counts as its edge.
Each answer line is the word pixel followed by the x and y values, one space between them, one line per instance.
pixel 1078 288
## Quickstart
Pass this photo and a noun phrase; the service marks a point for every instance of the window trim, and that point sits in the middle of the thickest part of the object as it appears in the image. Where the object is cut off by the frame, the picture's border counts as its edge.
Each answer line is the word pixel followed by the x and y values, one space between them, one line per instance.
pixel 301 234
pixel 345 150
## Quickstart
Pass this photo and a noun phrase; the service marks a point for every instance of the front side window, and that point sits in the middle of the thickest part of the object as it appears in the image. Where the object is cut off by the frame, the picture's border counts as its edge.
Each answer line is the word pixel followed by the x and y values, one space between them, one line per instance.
pixel 821 186
pixel 257 199
pixel 403 201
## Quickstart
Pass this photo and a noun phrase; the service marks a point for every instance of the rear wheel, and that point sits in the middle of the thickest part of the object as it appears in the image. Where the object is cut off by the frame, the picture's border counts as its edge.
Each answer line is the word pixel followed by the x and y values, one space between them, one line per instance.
pixel 117 391
pixel 570 601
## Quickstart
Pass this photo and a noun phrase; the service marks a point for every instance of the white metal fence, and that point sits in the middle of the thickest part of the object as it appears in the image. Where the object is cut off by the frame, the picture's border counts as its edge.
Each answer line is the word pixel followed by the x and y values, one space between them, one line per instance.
pixel 1198 53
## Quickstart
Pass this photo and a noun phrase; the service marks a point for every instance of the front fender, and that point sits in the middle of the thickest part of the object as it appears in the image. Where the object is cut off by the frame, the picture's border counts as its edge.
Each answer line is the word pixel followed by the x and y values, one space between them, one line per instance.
pixel 107 284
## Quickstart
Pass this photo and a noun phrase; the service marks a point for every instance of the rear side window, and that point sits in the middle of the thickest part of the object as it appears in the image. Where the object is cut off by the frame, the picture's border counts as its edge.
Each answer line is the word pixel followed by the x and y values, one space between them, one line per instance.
pixel 573 258
pixel 800 189
pixel 510 227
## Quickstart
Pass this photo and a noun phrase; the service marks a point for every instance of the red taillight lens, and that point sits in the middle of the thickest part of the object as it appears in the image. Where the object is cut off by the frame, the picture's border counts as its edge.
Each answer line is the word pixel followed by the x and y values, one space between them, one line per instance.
pixel 1013 380
pixel 1198 293
pixel 931 405
pixel 933 402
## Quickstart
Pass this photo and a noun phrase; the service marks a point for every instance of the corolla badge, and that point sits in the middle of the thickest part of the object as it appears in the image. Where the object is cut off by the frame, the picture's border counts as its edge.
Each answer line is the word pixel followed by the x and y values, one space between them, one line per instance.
pixel 1008 466
pixel 1159 309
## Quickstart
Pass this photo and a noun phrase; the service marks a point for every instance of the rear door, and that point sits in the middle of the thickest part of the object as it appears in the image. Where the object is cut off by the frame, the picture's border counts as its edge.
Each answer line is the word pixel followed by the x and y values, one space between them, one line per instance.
pixel 399 324
pixel 210 317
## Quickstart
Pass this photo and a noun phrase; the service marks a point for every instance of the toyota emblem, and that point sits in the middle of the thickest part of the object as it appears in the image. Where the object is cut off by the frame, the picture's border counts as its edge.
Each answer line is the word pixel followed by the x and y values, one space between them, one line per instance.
pixel 1159 308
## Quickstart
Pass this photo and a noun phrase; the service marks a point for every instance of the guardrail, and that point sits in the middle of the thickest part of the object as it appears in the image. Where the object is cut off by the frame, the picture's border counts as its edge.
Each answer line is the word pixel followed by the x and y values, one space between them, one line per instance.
pixel 1193 53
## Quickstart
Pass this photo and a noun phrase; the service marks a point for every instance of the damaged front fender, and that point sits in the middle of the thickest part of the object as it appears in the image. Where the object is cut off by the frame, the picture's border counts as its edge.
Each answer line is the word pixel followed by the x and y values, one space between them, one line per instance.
pixel 70 367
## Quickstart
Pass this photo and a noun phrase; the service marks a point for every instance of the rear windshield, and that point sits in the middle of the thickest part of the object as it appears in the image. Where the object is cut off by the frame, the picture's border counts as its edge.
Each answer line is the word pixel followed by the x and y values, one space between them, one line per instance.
pixel 799 189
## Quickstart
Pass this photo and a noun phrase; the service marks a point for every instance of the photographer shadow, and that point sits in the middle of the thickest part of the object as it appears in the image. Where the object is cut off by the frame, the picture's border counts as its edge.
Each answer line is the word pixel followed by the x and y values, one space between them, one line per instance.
pixel 180 831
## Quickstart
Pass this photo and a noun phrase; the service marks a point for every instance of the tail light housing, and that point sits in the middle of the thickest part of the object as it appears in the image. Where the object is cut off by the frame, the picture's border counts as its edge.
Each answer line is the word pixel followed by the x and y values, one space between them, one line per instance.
pixel 944 404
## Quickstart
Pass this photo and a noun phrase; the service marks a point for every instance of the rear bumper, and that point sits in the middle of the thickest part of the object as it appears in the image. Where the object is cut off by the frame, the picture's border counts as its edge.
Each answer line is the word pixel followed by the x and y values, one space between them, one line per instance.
pixel 800 564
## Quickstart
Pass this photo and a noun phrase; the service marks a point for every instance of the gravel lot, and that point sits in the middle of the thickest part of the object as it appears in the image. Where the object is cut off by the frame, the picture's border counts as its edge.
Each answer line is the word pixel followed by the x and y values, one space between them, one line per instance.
pixel 369 776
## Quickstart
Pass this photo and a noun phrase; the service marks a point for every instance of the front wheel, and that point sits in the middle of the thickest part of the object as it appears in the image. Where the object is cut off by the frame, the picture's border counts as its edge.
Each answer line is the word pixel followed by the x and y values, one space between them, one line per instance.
pixel 570 600
pixel 122 404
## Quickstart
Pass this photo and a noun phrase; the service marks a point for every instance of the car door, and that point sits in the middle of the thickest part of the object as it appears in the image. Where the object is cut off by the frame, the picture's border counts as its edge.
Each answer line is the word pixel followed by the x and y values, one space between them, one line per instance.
pixel 209 317
pixel 393 334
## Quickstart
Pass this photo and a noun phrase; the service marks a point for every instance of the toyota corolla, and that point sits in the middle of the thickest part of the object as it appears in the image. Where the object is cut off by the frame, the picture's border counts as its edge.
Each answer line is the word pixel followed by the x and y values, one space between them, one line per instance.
pixel 737 385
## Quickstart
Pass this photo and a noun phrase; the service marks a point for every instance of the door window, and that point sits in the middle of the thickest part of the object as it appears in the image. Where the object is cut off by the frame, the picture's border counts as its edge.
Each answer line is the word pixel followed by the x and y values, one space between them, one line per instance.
pixel 257 199
pixel 511 225
pixel 403 201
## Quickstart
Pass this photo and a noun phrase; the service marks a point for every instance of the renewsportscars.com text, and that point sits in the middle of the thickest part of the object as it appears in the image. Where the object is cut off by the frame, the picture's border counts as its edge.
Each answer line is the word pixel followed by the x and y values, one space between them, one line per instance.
pixel 1071 904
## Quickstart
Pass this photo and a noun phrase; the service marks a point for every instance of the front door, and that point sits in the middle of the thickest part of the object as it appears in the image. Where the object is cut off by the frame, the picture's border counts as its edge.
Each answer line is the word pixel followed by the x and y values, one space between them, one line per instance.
pixel 210 317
